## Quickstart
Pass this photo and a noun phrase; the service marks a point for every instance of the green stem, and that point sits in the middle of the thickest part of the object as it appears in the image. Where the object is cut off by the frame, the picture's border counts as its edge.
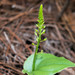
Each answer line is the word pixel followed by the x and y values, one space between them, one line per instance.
pixel 34 60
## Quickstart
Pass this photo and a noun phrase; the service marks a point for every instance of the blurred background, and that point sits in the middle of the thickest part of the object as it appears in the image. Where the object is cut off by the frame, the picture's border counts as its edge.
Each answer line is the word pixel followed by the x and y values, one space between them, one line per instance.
pixel 17 25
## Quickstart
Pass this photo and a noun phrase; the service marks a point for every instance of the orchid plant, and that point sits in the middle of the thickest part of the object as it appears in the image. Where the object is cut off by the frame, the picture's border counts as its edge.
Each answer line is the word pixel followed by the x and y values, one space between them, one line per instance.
pixel 44 63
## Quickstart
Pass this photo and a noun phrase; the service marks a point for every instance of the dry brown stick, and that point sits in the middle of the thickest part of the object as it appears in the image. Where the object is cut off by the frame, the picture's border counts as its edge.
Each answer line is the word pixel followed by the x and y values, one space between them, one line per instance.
pixel 4 64
pixel 27 46
pixel 2 39
pixel 19 24
pixel 71 35
pixel 3 18
pixel 8 48
pixel 17 16
pixel 62 42
pixel 1 74
pixel 68 20
pixel 21 14
pixel 14 35
pixel 65 7
pixel 11 45
pixel 13 5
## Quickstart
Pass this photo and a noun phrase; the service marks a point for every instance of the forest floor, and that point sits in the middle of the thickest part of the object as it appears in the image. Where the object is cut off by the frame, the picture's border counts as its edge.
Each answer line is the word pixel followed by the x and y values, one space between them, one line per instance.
pixel 17 24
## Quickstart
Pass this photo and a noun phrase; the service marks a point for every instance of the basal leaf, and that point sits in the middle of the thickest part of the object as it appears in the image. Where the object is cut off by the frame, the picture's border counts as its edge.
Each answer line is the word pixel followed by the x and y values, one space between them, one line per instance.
pixel 46 64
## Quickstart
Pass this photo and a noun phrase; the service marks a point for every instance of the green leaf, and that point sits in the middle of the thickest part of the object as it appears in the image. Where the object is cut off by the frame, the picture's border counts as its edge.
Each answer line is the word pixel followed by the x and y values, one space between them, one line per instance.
pixel 46 64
